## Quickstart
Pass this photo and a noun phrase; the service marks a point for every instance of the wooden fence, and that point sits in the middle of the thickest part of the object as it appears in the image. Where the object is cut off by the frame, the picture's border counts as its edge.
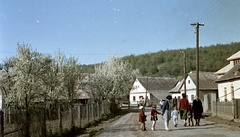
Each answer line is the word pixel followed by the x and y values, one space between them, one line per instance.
pixel 226 110
pixel 54 121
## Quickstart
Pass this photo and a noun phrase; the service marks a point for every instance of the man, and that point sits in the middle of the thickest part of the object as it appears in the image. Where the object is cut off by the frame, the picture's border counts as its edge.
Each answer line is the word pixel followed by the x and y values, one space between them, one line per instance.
pixel 183 107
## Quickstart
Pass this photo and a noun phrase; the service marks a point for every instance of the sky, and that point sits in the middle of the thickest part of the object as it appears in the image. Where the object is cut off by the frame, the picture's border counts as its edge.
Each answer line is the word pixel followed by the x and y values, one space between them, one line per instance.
pixel 94 30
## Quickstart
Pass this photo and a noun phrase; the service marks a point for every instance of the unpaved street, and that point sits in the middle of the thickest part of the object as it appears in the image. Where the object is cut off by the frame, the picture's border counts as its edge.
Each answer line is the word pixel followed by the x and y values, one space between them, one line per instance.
pixel 128 126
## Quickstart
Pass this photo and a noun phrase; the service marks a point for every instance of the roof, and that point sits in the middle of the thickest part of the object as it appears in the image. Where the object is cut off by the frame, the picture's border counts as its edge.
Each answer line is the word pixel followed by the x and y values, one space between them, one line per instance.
pixel 157 83
pixel 178 87
pixel 234 56
pixel 158 86
pixel 234 73
pixel 206 80
pixel 223 70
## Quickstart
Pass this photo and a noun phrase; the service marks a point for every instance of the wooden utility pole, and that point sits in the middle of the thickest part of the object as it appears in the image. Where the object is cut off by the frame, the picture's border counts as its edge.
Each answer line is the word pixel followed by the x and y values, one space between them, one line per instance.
pixel 145 103
pixel 197 54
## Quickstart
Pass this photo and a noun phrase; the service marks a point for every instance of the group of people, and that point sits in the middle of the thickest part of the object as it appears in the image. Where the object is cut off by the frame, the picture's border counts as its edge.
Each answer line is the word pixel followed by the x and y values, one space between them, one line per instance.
pixel 184 108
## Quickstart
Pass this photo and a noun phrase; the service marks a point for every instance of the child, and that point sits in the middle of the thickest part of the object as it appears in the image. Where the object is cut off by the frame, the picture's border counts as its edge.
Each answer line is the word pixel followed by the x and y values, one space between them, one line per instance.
pixel 174 115
pixel 154 117
pixel 142 118
pixel 190 114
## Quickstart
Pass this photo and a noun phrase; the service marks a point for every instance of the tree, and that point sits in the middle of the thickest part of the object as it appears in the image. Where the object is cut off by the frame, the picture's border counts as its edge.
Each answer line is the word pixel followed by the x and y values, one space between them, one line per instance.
pixel 71 76
pixel 112 80
pixel 27 71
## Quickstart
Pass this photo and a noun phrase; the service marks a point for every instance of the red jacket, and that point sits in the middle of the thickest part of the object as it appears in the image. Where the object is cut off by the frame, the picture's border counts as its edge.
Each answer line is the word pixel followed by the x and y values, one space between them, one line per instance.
pixel 142 116
pixel 154 112
pixel 183 104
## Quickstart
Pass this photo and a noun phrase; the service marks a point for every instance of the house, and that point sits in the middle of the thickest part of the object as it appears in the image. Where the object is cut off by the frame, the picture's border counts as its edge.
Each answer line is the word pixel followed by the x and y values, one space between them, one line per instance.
pixel 208 91
pixel 229 81
pixel 233 60
pixel 151 89
pixel 229 85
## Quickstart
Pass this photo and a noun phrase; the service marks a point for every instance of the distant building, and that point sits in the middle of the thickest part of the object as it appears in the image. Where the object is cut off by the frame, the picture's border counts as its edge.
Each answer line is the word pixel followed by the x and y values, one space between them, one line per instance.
pixel 208 90
pixel 151 89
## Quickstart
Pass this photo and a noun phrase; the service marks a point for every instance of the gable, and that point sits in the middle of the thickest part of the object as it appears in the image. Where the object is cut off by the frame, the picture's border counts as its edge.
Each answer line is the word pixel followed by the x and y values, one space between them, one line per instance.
pixel 137 87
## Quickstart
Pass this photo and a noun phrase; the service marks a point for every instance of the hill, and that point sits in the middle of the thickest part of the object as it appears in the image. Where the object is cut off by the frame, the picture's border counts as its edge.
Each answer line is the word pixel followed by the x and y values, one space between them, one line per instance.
pixel 170 63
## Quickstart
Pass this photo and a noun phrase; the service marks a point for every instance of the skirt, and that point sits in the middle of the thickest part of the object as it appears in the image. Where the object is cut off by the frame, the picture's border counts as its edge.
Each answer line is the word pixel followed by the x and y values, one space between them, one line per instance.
pixel 167 115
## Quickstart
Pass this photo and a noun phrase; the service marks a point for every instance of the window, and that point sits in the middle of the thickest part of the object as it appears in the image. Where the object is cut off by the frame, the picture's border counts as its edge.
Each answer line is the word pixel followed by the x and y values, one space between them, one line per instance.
pixel 192 97
pixel 188 81
pixel 134 98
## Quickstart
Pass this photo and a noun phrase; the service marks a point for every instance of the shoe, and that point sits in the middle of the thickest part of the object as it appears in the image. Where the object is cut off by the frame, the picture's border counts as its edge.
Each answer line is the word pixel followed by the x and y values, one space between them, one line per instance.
pixel 168 129
pixel 152 129
pixel 185 124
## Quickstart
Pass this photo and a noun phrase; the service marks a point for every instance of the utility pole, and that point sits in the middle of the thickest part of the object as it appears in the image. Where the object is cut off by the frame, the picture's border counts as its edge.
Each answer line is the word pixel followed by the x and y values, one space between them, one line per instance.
pixel 197 24
pixel 145 103
pixel 184 71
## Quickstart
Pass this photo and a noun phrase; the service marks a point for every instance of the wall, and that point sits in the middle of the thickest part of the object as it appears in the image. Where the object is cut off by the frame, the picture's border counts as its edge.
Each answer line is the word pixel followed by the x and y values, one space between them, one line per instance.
pixel 228 85
pixel 137 91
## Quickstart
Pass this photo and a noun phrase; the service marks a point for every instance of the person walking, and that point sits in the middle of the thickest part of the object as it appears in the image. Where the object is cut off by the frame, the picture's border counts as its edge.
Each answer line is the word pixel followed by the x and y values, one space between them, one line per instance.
pixel 174 115
pixel 166 112
pixel 154 117
pixel 142 118
pixel 175 102
pixel 161 103
pixel 190 115
pixel 197 109
pixel 183 108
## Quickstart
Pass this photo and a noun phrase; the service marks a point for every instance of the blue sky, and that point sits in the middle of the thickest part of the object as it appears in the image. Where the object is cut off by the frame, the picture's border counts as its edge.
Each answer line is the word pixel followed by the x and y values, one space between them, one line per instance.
pixel 93 30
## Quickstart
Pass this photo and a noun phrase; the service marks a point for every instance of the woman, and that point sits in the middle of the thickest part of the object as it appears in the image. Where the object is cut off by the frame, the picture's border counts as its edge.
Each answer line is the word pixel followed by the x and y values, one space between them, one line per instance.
pixel 154 117
pixel 166 112
pixel 183 107
pixel 197 110
pixel 142 118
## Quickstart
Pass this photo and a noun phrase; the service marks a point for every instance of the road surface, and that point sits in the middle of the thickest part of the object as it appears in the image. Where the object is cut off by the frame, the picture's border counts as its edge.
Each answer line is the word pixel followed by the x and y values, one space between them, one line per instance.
pixel 128 126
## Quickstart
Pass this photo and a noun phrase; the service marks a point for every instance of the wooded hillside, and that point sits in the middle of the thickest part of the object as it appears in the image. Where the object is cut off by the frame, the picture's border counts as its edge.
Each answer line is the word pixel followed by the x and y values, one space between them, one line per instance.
pixel 171 62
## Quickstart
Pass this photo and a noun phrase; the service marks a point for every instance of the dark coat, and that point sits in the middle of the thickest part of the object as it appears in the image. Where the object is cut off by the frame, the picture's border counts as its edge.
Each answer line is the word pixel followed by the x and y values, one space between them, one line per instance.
pixel 165 106
pixel 197 108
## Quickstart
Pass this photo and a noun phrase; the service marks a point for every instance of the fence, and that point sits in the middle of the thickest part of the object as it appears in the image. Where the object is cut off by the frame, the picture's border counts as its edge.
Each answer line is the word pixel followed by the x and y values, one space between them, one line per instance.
pixel 50 121
pixel 226 110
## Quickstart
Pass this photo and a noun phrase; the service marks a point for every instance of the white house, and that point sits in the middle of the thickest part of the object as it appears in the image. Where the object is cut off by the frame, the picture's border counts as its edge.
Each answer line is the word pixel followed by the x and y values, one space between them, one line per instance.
pixel 233 60
pixel 207 88
pixel 151 88
pixel 229 85
pixel 229 81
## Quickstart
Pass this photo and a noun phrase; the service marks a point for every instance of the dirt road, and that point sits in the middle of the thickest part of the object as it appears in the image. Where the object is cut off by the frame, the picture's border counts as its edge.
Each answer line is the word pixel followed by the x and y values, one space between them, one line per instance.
pixel 128 126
